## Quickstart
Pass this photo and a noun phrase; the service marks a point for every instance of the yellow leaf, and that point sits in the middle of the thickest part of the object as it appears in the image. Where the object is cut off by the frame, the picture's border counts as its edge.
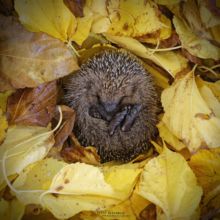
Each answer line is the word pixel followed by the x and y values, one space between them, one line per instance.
pixel 66 206
pixel 23 145
pixel 208 18
pixel 160 58
pixel 3 99
pixel 168 182
pixel 189 116
pixel 3 125
pixel 214 86
pixel 167 2
pixel 127 20
pixel 51 17
pixel 206 166
pixel 138 203
pixel 12 210
pixel 80 178
pixel 170 138
pixel 160 79
pixel 82 30
pixel 163 33
pixel 122 178
pixel 36 179
pixel 196 46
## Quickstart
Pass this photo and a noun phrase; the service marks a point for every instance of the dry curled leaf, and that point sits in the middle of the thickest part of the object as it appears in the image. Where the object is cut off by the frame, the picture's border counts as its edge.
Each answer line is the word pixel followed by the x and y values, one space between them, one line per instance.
pixel 192 113
pixel 33 106
pixel 3 125
pixel 168 182
pixel 29 59
pixel 75 6
pixel 77 153
pixel 206 166
pixel 22 146
pixel 194 44
pixel 66 127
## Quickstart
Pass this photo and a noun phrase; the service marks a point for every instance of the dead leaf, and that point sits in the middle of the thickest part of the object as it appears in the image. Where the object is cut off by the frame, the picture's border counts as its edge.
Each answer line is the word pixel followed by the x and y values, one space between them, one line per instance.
pixel 206 166
pixel 3 99
pixel 78 153
pixel 76 7
pixel 149 212
pixel 194 44
pixel 51 17
pixel 144 18
pixel 33 106
pixel 3 126
pixel 168 182
pixel 29 59
pixel 66 127
pixel 186 105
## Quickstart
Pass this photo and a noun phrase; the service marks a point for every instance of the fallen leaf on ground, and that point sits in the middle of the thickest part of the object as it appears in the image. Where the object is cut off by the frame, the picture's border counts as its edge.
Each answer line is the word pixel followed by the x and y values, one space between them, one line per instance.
pixel 66 126
pixel 3 125
pixel 30 59
pixel 81 154
pixel 143 19
pixel 162 59
pixel 169 137
pixel 36 179
pixel 208 18
pixel 34 107
pixel 11 210
pixel 51 17
pixel 206 166
pixel 189 115
pixel 3 99
pixel 138 204
pixel 3 120
pixel 193 44
pixel 75 6
pixel 54 184
pixel 22 146
pixel 122 178
pixel 168 182
pixel 214 86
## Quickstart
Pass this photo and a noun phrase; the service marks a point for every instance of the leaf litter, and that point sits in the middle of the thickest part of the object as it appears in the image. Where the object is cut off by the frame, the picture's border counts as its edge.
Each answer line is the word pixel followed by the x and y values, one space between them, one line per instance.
pixel 41 160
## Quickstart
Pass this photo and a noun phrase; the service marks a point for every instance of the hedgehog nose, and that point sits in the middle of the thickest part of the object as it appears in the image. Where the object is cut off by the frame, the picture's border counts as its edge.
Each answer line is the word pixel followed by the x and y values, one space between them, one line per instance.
pixel 110 107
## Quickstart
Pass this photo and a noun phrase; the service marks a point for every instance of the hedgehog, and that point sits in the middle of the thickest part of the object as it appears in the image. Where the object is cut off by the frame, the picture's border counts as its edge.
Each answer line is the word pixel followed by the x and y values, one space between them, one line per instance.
pixel 116 105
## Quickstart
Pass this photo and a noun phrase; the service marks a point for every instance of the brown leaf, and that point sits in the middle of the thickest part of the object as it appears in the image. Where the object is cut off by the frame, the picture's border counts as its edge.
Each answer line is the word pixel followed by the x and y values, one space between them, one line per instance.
pixel 172 41
pixel 191 58
pixel 33 106
pixel 77 153
pixel 149 212
pixel 66 127
pixel 29 59
pixel 75 6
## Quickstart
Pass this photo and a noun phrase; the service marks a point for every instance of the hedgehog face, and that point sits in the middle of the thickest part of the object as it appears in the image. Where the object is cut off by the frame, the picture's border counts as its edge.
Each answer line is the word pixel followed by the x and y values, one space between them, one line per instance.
pixel 115 103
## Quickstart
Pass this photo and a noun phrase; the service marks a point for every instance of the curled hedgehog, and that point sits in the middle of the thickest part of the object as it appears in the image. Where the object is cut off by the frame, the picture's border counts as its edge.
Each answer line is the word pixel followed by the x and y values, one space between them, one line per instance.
pixel 116 105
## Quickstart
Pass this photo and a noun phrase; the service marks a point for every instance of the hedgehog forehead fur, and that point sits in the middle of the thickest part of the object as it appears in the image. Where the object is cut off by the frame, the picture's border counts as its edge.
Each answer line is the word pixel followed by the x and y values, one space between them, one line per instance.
pixel 113 76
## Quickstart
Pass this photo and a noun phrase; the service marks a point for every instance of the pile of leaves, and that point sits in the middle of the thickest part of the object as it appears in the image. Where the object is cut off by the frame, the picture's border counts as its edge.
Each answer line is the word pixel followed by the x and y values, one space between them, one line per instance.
pixel 46 173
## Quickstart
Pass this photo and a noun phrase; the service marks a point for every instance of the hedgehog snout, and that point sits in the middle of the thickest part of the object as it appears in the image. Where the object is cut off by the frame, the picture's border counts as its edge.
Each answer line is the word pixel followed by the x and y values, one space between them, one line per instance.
pixel 104 111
